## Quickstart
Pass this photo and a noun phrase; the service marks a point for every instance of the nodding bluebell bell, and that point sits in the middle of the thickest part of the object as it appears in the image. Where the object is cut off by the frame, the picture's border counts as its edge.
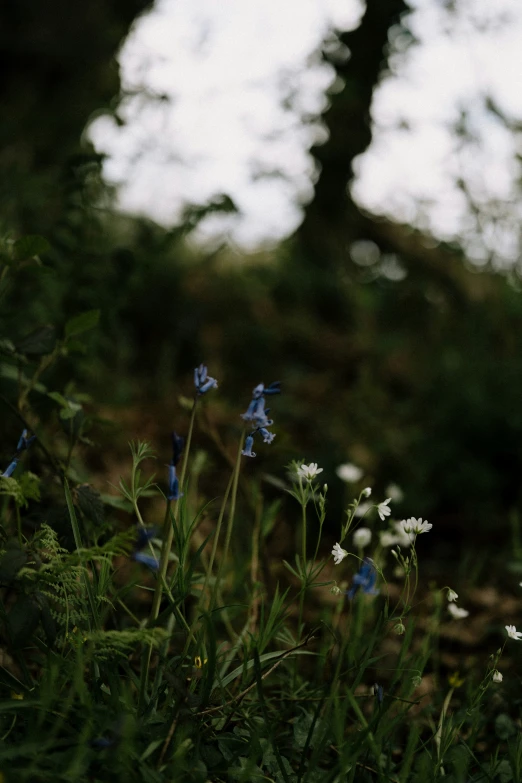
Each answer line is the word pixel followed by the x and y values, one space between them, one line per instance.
pixel 257 413
pixel 202 381
pixel 364 579
pixel 10 469
pixel 247 451
pixel 146 560
pixel 144 536
pixel 23 444
pixel 25 441
pixel 174 493
pixel 378 692
pixel 268 437
pixel 177 449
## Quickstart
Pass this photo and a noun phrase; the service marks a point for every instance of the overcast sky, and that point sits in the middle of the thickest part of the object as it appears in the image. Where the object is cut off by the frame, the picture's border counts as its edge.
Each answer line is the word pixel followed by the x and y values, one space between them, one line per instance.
pixel 217 94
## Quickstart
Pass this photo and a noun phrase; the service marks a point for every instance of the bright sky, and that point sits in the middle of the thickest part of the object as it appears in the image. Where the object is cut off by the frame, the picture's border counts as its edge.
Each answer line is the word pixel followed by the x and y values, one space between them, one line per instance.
pixel 218 94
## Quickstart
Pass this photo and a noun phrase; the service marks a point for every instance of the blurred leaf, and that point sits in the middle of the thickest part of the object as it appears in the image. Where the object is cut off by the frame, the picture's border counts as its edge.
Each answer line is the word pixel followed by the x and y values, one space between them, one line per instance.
pixel 13 559
pixel 75 346
pixel 38 342
pixel 82 323
pixel 29 247
pixel 30 485
pixel 10 486
pixel 23 620
pixel 7 347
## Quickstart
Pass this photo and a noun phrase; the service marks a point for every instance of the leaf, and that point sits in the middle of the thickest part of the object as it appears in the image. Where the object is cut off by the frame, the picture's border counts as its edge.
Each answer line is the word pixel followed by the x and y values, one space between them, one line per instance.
pixel 82 323
pixel 23 620
pixel 30 485
pixel 38 342
pixel 13 559
pixel 30 246
pixel 10 486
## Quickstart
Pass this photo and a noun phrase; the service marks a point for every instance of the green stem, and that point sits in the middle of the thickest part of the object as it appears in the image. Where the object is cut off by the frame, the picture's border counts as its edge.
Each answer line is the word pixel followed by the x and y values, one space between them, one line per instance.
pixel 168 529
pixel 303 570
pixel 230 523
pixel 168 535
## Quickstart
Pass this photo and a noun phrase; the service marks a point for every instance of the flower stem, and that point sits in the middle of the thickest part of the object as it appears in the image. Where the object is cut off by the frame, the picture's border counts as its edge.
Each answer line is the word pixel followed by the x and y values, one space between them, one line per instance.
pixel 230 523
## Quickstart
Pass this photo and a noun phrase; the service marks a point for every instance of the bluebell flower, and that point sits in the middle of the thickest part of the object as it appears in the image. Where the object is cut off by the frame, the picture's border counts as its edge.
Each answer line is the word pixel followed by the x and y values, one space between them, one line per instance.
pixel 378 692
pixel 364 579
pixel 247 451
pixel 144 536
pixel 202 381
pixel 174 493
pixel 146 560
pixel 177 447
pixel 10 469
pixel 25 441
pixel 256 409
pixel 268 437
pixel 274 388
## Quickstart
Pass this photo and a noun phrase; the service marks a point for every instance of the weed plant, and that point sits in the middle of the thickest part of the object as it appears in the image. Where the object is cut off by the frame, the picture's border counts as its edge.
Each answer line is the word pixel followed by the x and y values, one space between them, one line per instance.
pixel 164 644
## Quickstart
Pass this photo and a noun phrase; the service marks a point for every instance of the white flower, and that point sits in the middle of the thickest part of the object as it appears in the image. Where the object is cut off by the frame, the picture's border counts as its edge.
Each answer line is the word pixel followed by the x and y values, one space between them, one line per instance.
pixel 457 613
pixel 367 491
pixel 388 538
pixel 383 509
pixel 513 633
pixel 309 472
pixel 416 526
pixel 349 473
pixel 394 492
pixel 361 509
pixel 497 676
pixel 452 595
pixel 362 537
pixel 339 553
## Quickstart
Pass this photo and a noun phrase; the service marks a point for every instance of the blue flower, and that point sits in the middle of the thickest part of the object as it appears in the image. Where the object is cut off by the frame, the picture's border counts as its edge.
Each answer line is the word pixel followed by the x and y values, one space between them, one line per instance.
pixel 146 560
pixel 144 536
pixel 177 447
pixel 10 469
pixel 268 437
pixel 247 451
pixel 202 381
pixel 25 441
pixel 256 409
pixel 378 692
pixel 364 579
pixel 174 493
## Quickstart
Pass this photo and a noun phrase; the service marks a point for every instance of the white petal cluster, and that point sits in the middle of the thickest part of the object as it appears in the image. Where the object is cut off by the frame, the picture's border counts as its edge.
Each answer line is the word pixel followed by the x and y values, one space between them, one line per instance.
pixel 396 536
pixel 362 537
pixel 349 473
pixel 452 595
pixel 513 633
pixel 338 553
pixel 383 509
pixel 416 526
pixel 309 472
pixel 457 612
pixel 497 676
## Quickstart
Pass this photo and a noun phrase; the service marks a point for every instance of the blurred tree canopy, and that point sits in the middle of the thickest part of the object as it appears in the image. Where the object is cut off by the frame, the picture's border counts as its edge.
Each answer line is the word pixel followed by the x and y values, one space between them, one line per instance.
pixel 393 352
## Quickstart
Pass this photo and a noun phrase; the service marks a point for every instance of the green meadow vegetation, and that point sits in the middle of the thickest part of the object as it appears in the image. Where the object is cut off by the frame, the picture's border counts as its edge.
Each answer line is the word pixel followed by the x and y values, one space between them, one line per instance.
pixel 259 513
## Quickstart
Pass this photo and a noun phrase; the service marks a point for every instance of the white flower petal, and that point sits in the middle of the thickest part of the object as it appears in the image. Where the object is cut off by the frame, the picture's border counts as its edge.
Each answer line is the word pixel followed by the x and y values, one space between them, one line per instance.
pixel 338 553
